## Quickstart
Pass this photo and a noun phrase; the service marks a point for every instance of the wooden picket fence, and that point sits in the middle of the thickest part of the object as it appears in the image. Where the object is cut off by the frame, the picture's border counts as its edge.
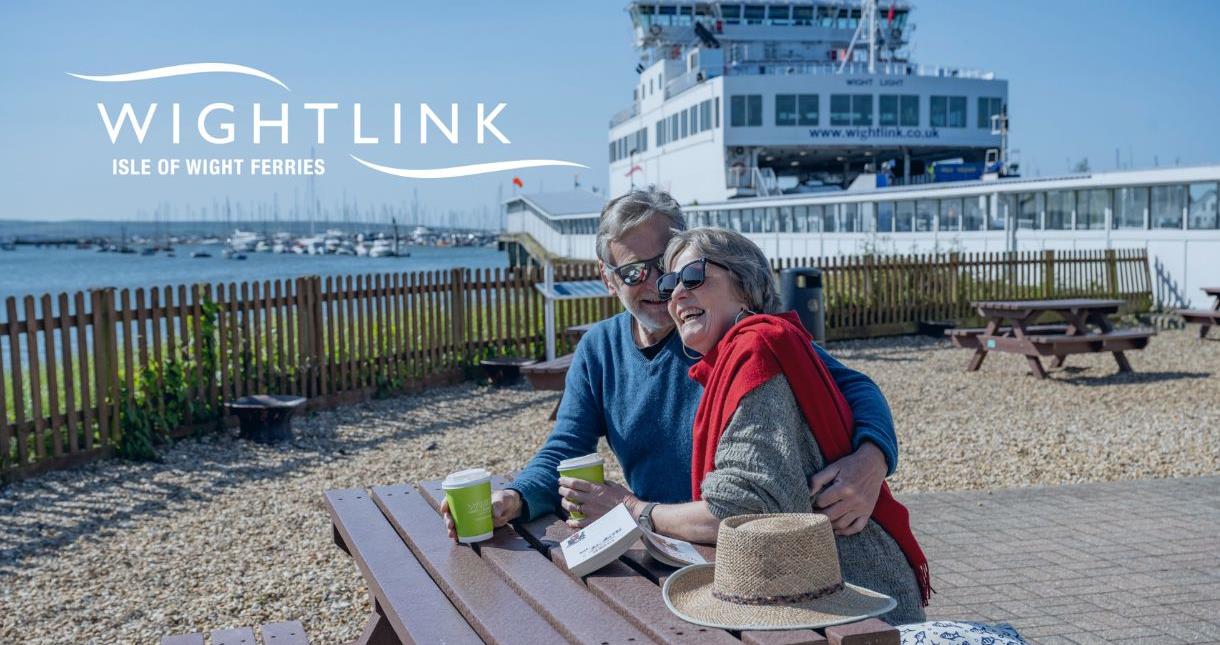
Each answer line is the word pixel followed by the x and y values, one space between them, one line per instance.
pixel 85 373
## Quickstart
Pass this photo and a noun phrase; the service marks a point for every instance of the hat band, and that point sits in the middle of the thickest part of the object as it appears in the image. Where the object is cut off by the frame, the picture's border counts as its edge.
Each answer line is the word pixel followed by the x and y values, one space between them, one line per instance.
pixel 780 598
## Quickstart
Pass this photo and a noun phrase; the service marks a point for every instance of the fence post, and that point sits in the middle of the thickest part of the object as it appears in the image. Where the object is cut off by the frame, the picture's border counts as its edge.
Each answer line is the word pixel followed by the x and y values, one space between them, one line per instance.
pixel 1111 273
pixel 106 348
pixel 457 314
pixel 955 267
pixel 1048 274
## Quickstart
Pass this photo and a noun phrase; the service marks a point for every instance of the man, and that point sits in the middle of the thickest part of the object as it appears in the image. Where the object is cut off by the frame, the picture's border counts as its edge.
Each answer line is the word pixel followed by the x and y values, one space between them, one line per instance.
pixel 628 382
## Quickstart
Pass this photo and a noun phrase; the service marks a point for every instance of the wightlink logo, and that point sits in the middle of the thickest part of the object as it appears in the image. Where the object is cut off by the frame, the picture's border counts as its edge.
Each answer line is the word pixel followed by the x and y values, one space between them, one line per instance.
pixel 217 124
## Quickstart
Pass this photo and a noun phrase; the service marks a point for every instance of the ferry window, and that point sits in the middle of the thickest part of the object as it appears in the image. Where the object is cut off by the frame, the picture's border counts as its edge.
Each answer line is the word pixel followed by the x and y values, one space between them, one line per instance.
pixel 862 109
pixel 972 213
pixel 800 219
pixel 905 220
pixel 908 110
pixel 885 217
pixel 613 157
pixel 887 109
pixel 785 109
pixel 746 110
pixel 1029 210
pixel 807 109
pixel 950 215
pixel 828 217
pixel 675 132
pixel 988 107
pixel 716 113
pixel 957 111
pixel 705 114
pixel 840 109
pixel 1091 208
pixel 1203 203
pixel 802 16
pixel 731 13
pixel 948 111
pixel 785 220
pixel 849 218
pixel 1130 207
pixel 694 120
pixel 997 214
pixel 815 218
pixel 770 220
pixel 660 133
pixel 1168 203
pixel 779 14
pixel 1059 207
pixel 925 212
pixel 684 126
pixel 754 14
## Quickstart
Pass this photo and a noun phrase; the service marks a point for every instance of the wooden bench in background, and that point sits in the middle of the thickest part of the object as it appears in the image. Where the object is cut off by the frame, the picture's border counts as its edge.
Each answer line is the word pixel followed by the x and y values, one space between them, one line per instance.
pixel 1205 318
pixel 291 632
pixel 514 588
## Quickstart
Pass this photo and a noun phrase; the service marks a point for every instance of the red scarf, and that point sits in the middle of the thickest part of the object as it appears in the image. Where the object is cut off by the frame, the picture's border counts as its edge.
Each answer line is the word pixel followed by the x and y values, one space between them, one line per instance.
pixel 750 355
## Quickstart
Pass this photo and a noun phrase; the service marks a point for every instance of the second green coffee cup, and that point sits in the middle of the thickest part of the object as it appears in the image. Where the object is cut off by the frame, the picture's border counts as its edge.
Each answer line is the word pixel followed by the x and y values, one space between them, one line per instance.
pixel 469 495
pixel 590 468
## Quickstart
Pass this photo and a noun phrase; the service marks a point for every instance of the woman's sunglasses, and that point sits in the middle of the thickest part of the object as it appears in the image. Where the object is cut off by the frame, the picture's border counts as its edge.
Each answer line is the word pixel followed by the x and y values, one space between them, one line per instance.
pixel 691 276
pixel 636 272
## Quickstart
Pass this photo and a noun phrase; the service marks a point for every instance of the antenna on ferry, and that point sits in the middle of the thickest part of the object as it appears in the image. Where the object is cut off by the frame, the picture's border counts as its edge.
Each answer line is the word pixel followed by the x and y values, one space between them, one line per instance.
pixel 868 20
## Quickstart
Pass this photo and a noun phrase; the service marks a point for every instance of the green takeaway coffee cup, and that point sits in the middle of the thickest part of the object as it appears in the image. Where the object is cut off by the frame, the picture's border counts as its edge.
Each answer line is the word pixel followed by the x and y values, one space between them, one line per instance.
pixel 591 468
pixel 469 495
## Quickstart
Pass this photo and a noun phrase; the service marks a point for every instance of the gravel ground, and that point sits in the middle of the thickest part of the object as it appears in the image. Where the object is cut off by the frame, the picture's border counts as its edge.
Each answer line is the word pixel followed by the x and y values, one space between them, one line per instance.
pixel 226 533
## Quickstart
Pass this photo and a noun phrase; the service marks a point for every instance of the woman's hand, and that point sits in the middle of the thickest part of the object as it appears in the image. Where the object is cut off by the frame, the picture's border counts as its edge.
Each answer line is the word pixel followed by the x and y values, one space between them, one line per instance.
pixel 505 507
pixel 594 500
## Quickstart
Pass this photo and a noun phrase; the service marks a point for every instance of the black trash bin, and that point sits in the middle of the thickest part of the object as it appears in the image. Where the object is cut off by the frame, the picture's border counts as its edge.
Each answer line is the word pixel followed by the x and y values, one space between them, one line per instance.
pixel 800 290
pixel 266 418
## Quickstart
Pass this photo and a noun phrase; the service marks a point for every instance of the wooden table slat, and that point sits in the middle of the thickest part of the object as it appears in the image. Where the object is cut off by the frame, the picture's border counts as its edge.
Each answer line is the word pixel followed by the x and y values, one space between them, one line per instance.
pixel 289 632
pixel 412 603
pixel 794 637
pixel 1067 303
pixel 566 603
pixel 493 608
pixel 235 636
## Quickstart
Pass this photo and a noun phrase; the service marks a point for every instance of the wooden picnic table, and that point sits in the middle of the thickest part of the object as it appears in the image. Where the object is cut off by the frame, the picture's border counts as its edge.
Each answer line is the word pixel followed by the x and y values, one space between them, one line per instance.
pixel 1205 318
pixel 1012 327
pixel 515 588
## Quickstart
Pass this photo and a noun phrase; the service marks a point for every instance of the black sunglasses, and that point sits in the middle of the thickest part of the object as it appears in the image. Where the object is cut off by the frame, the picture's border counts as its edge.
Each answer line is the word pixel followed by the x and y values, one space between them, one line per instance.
pixel 636 272
pixel 691 276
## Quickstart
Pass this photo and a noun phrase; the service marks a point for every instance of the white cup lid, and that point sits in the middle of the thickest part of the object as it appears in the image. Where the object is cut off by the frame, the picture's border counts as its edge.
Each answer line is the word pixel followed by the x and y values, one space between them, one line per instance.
pixel 581 462
pixel 464 478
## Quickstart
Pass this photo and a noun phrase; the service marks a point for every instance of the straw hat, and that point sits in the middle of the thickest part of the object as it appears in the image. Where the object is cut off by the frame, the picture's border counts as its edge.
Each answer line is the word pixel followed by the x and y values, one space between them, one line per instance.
pixel 776 571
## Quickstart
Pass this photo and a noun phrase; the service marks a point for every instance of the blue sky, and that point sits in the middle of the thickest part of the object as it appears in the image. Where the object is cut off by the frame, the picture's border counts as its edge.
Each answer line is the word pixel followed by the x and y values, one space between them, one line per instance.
pixel 1085 78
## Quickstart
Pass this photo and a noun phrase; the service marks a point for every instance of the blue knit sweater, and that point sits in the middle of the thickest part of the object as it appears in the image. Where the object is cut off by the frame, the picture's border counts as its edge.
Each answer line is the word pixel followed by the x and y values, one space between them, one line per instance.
pixel 646 409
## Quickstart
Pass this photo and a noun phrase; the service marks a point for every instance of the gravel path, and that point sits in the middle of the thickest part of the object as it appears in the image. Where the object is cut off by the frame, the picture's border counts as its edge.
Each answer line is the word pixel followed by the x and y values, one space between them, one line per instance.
pixel 226 533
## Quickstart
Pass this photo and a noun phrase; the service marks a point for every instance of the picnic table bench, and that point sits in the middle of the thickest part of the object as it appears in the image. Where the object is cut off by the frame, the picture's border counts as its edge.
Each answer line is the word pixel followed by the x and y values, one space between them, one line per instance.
pixel 1205 318
pixel 286 633
pixel 552 375
pixel 1011 328
pixel 515 588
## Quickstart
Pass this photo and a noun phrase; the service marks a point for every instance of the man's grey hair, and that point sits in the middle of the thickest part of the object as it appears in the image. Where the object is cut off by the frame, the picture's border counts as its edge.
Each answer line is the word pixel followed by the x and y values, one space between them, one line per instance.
pixel 629 210
pixel 746 262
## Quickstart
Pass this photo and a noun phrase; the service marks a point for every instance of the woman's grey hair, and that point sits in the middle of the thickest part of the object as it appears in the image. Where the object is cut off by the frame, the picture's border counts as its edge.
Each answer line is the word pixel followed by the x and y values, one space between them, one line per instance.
pixel 746 262
pixel 629 210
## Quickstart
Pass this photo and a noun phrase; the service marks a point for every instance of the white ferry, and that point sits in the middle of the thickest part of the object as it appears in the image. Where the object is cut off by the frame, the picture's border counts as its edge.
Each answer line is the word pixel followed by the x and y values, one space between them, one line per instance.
pixel 806 126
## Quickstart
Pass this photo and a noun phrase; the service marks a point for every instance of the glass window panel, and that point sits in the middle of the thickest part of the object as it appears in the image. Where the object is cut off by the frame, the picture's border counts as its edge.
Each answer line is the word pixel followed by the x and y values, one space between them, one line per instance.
pixel 683 127
pixel 754 109
pixel 925 212
pixel 802 15
pixel 957 111
pixel 735 220
pixel 785 220
pixel 769 220
pixel 905 220
pixel 909 111
pixel 862 109
pixel 997 214
pixel 1203 207
pixel 973 209
pixel 800 219
pixel 737 110
pixel 1091 208
pixel 950 214
pixel 1059 206
pixel 887 109
pixel 939 110
pixel 807 109
pixel 1168 202
pixel 840 109
pixel 849 216
pixel 868 217
pixel 785 109
pixel 754 14
pixel 1130 207
pixel 1029 211
pixel 885 217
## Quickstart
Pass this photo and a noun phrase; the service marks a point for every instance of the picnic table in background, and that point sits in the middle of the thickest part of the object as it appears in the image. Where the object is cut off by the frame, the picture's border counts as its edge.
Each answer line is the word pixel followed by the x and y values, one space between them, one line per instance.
pixel 515 588
pixel 1013 327
pixel 1205 318
pixel 552 375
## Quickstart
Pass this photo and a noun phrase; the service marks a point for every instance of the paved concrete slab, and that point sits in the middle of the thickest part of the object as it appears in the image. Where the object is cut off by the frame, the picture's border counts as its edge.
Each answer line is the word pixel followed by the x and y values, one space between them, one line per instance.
pixel 1116 562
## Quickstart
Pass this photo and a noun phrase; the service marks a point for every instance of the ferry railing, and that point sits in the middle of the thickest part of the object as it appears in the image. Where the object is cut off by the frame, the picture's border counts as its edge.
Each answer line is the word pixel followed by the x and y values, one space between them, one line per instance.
pixel 687 81
pixel 624 114
pixel 787 68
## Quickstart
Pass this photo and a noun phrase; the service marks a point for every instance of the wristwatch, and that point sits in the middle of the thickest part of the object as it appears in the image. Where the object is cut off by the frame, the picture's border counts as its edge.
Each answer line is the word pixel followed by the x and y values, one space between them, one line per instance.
pixel 645 518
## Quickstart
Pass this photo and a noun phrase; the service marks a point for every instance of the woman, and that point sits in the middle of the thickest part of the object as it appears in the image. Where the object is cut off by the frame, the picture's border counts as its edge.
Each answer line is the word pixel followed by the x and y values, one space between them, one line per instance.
pixel 770 416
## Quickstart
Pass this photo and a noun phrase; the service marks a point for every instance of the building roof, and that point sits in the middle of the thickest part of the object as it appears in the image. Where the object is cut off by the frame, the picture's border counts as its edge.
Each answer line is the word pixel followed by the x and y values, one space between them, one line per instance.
pixel 569 202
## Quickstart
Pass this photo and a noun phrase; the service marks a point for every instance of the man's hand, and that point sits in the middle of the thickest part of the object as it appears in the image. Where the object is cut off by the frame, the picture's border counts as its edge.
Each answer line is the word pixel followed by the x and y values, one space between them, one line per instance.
pixel 846 490
pixel 594 500
pixel 505 507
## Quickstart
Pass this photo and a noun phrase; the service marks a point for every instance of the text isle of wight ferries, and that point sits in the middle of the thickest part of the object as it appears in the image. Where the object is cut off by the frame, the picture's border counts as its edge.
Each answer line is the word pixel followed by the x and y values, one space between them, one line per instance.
pixel 216 125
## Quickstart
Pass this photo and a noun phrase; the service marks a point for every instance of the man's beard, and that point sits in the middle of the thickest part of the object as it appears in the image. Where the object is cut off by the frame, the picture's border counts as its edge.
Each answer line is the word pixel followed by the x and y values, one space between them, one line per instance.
pixel 651 320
